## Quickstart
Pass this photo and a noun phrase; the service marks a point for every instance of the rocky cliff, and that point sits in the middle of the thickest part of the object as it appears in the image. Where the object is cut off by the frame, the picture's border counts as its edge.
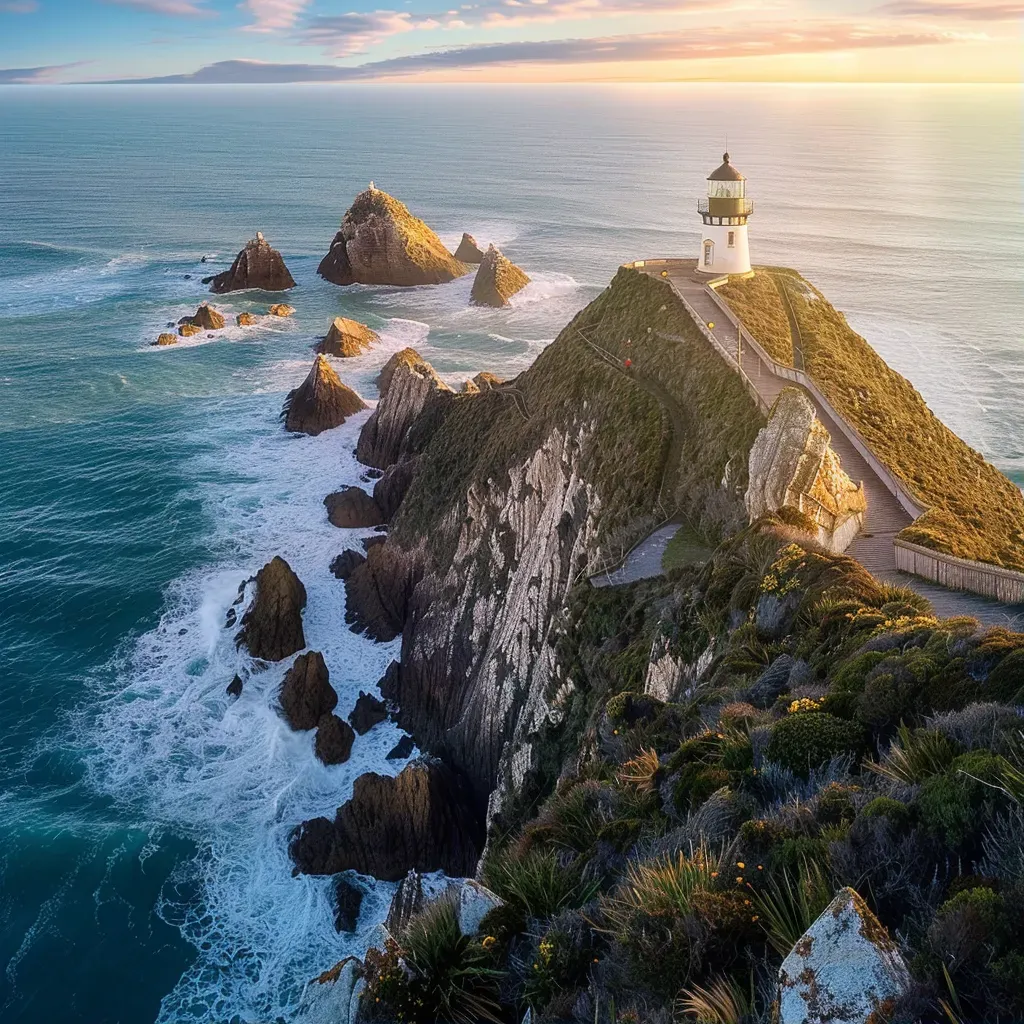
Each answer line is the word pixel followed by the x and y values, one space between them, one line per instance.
pixel 497 280
pixel 381 242
pixel 256 266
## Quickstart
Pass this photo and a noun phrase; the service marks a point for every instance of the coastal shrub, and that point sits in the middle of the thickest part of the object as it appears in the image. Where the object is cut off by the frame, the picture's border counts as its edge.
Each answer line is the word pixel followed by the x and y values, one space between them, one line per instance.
pixel 1003 846
pixel 802 741
pixel 915 755
pixel 571 818
pixel 836 806
pixel 950 804
pixel 539 882
pixel 1006 681
pixel 897 813
pixel 560 961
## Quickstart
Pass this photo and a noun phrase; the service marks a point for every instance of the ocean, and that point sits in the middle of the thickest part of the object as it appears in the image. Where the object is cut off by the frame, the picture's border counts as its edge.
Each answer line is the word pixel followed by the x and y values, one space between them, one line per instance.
pixel 144 815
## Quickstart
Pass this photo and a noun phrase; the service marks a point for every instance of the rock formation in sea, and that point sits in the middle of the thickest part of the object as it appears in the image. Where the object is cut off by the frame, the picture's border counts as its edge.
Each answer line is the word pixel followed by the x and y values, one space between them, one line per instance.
pixel 348 900
pixel 334 739
pixel 272 625
pixel 381 242
pixel 468 251
pixel 187 330
pixel 205 317
pixel 166 339
pixel 417 819
pixel 320 402
pixel 352 508
pixel 281 309
pixel 497 280
pixel 256 266
pixel 368 712
pixel 306 692
pixel 246 320
pixel 407 386
pixel 343 565
pixel 347 338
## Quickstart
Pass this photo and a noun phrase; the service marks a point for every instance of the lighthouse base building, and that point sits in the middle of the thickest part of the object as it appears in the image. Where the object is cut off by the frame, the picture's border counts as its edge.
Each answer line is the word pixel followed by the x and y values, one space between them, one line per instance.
pixel 723 246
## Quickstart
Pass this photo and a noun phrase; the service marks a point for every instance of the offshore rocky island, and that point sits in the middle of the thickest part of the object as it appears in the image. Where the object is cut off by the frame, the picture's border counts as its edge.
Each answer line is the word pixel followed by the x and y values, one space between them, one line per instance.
pixel 767 778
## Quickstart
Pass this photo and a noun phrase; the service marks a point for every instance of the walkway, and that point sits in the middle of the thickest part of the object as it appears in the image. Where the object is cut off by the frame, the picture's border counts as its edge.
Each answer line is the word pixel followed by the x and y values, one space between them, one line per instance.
pixel 643 562
pixel 885 516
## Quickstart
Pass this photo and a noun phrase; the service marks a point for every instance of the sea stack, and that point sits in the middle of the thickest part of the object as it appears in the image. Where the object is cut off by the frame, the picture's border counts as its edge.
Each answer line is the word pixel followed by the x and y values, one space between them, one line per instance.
pixel 272 626
pixel 381 242
pixel 320 402
pixel 468 251
pixel 347 338
pixel 256 266
pixel 497 280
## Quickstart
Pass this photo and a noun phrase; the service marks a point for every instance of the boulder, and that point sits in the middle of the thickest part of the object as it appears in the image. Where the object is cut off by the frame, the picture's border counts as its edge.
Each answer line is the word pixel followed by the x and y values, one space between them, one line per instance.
pixel 368 712
pixel 419 820
pixel 347 338
pixel 333 998
pixel 352 508
pixel 320 402
pixel 401 750
pixel 306 694
pixel 390 489
pixel 206 318
pixel 235 687
pixel 497 280
pixel 468 251
pixel 473 903
pixel 272 625
pixel 166 339
pixel 334 739
pixel 845 968
pixel 256 266
pixel 407 386
pixel 247 319
pixel 346 563
pixel 281 309
pixel 772 682
pixel 187 330
pixel 381 242
pixel 348 901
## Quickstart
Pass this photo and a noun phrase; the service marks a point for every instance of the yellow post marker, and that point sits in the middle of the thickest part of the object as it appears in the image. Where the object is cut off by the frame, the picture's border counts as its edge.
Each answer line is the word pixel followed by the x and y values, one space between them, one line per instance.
pixel 711 325
pixel 664 273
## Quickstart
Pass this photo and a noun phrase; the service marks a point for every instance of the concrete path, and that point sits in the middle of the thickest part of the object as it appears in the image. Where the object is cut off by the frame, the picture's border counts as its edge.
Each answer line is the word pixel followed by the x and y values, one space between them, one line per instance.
pixel 643 562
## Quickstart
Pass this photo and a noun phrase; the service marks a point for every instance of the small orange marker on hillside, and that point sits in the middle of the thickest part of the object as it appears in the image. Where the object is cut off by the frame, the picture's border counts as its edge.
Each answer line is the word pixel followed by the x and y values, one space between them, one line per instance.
pixel 629 363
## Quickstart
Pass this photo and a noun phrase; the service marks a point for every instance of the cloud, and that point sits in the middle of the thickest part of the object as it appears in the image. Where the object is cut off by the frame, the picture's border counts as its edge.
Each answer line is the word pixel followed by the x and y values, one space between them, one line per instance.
pixel 45 73
pixel 273 15
pixel 18 7
pixel 343 35
pixel 964 10
pixel 743 41
pixel 177 8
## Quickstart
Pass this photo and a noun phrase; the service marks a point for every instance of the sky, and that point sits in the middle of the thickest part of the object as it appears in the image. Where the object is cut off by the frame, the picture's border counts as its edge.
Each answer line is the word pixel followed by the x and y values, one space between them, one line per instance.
pixel 194 41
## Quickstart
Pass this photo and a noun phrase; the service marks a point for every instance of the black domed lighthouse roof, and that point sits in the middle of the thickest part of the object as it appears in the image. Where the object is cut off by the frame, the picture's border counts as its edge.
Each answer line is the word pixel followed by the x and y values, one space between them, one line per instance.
pixel 726 172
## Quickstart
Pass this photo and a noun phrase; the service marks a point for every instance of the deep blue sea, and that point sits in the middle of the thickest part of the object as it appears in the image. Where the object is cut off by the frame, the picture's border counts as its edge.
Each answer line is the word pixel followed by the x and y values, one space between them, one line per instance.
pixel 144 815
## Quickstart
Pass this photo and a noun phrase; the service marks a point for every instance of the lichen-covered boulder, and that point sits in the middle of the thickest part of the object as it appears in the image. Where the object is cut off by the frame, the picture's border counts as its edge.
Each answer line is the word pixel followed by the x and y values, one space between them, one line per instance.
pixel 346 338
pixel 320 402
pixel 468 251
pixel 381 242
pixel 166 339
pixel 497 280
pixel 256 266
pixel 306 693
pixel 272 625
pixel 844 970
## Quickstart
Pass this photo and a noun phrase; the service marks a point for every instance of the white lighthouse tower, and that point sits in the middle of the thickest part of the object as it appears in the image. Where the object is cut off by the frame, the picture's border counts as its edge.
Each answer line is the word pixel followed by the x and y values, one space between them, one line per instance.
pixel 723 244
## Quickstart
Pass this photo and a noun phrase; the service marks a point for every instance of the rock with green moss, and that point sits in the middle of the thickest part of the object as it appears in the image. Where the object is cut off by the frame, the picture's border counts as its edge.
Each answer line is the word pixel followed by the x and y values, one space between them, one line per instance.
pixel 381 242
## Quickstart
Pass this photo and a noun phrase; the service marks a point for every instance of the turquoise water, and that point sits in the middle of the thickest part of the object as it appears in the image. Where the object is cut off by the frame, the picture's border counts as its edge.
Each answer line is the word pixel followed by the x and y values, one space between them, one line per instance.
pixel 143 874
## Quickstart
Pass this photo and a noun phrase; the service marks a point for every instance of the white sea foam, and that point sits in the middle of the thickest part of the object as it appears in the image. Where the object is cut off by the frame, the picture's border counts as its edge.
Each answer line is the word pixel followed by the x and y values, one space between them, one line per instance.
pixel 172 746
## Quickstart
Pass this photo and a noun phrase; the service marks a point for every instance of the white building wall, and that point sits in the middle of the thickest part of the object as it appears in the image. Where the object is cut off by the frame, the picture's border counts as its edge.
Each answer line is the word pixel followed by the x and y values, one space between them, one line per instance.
pixel 726 259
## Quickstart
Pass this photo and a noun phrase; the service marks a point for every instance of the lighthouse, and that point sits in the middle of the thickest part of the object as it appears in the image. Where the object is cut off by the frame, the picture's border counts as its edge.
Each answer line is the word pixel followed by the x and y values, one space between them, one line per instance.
pixel 725 211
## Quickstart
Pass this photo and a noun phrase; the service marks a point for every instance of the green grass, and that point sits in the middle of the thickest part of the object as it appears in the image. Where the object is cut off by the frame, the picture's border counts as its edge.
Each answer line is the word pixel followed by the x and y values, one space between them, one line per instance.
pixel 685 548
pixel 974 511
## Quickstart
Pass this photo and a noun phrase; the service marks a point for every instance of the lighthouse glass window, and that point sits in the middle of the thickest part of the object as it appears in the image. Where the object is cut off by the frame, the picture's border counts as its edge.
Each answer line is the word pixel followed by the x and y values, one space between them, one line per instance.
pixel 725 189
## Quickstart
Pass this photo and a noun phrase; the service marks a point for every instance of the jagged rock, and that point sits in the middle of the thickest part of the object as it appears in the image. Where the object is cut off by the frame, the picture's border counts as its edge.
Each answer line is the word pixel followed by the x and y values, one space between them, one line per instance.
pixel 401 750
pixel 469 388
pixel 333 998
pixel 347 338
pixel 272 626
pixel 346 563
pixel 377 592
pixel 166 339
pixel 281 309
pixel 247 319
pixel 352 508
pixel 230 617
pixel 256 266
pixel 368 712
pixel 419 819
pixel 334 739
pixel 497 280
pixel 381 242
pixel 235 687
pixel 306 694
pixel 772 682
pixel 390 489
pixel 475 902
pixel 187 330
pixel 348 901
pixel 792 465
pixel 320 402
pixel 206 318
pixel 845 968
pixel 468 251
pixel 407 385
pixel 369 542
pixel 485 380
pixel 408 901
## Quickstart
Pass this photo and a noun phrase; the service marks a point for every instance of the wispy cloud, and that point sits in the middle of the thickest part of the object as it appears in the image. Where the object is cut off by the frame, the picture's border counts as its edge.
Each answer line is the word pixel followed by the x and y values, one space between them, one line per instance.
pixel 44 73
pixel 273 15
pixel 18 7
pixel 177 8
pixel 963 10
pixel 344 35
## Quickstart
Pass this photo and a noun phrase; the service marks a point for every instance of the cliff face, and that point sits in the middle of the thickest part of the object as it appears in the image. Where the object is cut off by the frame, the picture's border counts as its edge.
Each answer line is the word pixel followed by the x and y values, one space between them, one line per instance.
pixel 381 242
pixel 521 491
